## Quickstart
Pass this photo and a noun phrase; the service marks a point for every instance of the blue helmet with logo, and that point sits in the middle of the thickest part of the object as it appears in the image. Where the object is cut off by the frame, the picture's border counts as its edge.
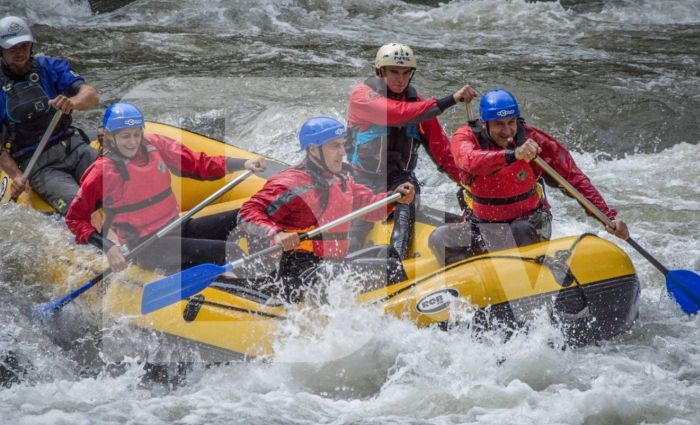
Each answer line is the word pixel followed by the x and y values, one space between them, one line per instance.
pixel 318 130
pixel 122 115
pixel 497 104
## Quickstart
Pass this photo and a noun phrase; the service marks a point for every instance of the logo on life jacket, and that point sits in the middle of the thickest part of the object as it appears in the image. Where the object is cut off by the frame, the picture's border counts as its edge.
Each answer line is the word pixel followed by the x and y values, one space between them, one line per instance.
pixel 39 106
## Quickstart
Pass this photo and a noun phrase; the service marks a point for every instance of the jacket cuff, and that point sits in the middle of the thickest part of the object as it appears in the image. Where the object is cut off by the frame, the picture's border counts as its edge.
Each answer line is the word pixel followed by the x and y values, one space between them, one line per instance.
pixel 273 231
pixel 510 156
pixel 446 102
pixel 235 164
pixel 102 243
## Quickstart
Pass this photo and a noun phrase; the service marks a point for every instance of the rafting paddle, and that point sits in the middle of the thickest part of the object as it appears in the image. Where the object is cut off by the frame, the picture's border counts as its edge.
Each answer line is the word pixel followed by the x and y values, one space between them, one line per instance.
pixel 171 289
pixel 683 285
pixel 40 147
pixel 53 307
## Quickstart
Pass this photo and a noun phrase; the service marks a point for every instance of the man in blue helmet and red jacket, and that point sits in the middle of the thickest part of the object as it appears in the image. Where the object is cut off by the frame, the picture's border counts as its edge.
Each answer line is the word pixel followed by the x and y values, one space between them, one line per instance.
pixel 311 194
pixel 504 202
pixel 388 122
pixel 33 89
pixel 131 182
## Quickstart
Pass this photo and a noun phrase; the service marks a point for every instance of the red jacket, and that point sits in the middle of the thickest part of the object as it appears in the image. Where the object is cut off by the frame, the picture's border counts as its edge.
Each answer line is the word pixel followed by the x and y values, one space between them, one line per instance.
pixel 103 180
pixel 368 108
pixel 490 164
pixel 301 198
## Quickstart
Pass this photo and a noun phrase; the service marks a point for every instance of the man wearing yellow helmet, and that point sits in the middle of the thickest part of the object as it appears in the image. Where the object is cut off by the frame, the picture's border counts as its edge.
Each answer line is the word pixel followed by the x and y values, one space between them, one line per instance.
pixel 388 120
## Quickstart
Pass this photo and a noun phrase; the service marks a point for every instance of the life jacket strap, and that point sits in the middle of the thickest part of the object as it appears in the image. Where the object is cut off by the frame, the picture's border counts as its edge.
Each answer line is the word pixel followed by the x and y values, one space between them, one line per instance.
pixel 500 201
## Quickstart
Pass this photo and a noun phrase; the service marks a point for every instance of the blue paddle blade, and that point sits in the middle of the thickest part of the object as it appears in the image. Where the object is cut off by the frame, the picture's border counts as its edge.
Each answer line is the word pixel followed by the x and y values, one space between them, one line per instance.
pixel 684 286
pixel 43 311
pixel 171 289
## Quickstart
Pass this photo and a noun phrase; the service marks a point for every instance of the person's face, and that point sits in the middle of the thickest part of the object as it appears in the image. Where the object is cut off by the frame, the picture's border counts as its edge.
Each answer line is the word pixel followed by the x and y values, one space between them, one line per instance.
pixel 397 77
pixel 101 134
pixel 333 154
pixel 502 131
pixel 128 141
pixel 18 57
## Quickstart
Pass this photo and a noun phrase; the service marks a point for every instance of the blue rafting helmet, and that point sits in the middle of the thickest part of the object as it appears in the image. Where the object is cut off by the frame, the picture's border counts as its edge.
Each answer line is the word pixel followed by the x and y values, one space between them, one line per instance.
pixel 318 130
pixel 122 115
pixel 497 104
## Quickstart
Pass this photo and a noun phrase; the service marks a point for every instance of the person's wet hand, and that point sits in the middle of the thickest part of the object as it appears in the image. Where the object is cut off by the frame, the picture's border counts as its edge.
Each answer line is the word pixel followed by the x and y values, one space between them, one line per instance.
pixel 407 191
pixel 465 94
pixel 116 259
pixel 620 230
pixel 527 151
pixel 287 240
pixel 19 186
pixel 62 103
pixel 256 165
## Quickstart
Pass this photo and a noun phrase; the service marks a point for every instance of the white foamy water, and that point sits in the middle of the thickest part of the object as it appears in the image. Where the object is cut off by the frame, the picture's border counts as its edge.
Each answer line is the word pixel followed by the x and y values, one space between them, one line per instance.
pixel 615 80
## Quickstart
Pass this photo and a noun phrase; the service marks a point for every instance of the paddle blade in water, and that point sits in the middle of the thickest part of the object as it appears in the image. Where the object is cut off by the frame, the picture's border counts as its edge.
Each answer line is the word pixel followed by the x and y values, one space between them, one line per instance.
pixel 684 286
pixel 179 286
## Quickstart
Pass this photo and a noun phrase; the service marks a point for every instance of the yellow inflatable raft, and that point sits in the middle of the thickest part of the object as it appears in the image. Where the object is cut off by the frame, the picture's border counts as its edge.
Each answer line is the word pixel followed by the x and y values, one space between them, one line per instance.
pixel 586 283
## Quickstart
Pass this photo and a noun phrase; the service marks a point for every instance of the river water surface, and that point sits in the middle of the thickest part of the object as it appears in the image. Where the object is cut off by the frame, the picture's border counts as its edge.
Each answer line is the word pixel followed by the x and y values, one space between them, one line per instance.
pixel 615 80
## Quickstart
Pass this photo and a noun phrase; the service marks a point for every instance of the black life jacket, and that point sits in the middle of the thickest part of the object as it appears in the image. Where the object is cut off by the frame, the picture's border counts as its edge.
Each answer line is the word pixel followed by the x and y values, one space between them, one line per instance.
pixel 382 149
pixel 28 113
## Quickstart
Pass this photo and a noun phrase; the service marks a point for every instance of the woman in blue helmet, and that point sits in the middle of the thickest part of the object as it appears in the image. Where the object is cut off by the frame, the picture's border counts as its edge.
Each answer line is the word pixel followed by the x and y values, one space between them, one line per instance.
pixel 315 192
pixel 131 182
pixel 504 202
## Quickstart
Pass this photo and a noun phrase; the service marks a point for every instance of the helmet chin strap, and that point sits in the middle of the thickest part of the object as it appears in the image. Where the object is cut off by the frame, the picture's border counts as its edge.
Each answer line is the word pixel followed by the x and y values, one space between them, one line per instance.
pixel 110 145
pixel 321 162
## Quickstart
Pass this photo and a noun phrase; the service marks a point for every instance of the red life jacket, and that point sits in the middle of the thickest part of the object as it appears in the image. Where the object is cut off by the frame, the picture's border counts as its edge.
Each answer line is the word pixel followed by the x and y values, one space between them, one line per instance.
pixel 510 193
pixel 333 243
pixel 147 202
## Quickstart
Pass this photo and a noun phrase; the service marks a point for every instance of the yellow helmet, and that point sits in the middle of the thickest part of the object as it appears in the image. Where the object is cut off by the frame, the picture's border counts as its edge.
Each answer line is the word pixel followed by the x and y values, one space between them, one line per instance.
pixel 395 54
